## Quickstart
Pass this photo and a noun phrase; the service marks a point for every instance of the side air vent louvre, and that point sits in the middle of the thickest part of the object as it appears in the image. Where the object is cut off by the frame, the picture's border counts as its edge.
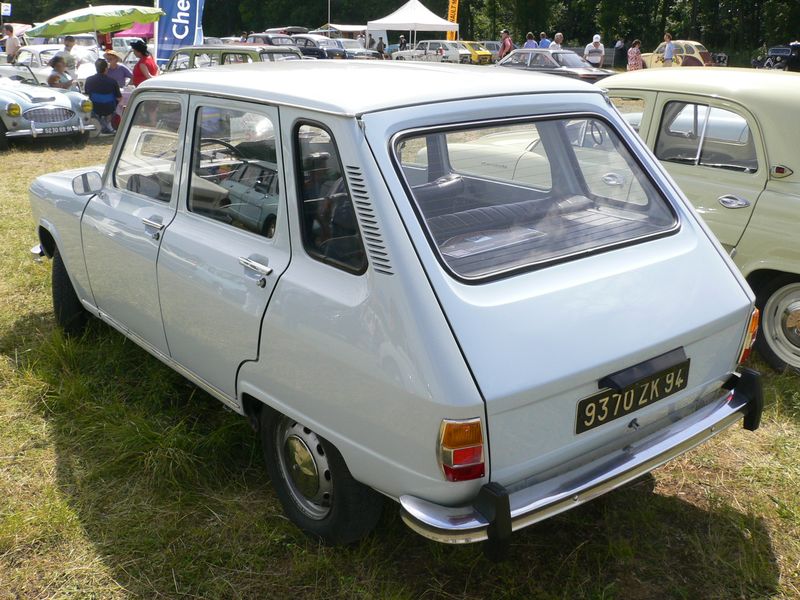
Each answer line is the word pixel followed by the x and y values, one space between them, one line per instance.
pixel 370 229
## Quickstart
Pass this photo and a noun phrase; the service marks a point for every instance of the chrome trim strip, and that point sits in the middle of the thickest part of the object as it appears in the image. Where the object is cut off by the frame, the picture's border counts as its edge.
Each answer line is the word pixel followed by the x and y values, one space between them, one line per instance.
pixel 464 524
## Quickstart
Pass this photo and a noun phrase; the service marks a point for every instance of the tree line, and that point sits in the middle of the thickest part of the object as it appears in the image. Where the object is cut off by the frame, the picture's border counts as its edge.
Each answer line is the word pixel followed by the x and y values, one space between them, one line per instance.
pixel 722 25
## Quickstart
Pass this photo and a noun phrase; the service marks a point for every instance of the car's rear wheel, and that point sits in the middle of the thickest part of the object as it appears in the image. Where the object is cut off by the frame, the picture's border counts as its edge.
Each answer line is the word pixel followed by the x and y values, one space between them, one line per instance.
pixel 778 340
pixel 313 484
pixel 70 314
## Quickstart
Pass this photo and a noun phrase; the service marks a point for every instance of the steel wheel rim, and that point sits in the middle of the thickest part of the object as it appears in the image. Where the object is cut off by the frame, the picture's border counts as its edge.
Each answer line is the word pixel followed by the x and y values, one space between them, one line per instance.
pixel 305 468
pixel 781 324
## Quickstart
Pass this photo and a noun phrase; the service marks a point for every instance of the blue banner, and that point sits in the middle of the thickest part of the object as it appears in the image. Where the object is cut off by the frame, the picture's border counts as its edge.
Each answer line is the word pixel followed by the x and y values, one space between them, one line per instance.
pixel 181 25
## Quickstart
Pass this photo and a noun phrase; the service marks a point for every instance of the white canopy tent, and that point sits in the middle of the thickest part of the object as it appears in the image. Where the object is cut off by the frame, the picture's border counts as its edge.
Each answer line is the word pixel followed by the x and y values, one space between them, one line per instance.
pixel 412 17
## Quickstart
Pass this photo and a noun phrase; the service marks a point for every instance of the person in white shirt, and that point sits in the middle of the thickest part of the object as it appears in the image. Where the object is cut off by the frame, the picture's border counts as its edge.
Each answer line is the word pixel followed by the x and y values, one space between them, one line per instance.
pixel 669 50
pixel 558 39
pixel 595 52
pixel 12 43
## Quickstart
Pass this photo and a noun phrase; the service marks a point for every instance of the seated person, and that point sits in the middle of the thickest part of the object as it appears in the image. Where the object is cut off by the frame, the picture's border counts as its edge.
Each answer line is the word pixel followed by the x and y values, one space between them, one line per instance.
pixel 59 78
pixel 104 93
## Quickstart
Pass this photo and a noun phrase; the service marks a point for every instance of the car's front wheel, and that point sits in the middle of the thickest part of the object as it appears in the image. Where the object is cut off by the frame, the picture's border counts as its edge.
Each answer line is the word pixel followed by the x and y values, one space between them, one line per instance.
pixel 778 340
pixel 313 484
pixel 70 314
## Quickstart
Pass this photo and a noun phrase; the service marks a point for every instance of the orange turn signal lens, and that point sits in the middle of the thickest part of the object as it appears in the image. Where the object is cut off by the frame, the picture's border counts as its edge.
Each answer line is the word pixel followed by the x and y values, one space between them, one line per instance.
pixel 460 434
pixel 750 336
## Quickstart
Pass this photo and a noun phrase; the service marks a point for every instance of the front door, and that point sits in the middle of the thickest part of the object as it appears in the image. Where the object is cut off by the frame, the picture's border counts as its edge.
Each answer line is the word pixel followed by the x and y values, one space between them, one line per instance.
pixel 714 151
pixel 229 242
pixel 123 226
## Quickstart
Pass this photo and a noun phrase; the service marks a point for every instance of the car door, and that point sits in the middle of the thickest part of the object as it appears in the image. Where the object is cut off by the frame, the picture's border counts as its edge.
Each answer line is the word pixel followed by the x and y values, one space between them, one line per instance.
pixel 713 149
pixel 123 226
pixel 229 242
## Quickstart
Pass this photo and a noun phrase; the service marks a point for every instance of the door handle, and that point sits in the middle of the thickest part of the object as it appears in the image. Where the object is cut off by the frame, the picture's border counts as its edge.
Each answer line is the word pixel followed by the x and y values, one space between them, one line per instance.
pixel 731 201
pixel 263 270
pixel 153 225
pixel 613 179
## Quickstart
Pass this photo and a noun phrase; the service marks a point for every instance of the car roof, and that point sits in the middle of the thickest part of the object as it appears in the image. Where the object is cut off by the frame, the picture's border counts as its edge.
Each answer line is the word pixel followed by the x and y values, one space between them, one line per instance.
pixel 237 47
pixel 299 84
pixel 753 88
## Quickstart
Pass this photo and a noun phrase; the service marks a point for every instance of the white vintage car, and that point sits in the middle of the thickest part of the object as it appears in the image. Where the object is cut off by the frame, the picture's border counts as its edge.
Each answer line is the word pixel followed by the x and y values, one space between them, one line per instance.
pixel 435 51
pixel 488 344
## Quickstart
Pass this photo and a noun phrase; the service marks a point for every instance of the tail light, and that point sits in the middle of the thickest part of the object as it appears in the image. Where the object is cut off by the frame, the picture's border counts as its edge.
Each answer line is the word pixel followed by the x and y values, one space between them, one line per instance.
pixel 750 336
pixel 461 449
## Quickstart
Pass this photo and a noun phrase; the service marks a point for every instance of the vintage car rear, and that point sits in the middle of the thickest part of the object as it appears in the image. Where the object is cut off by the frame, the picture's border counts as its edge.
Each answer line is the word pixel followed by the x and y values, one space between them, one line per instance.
pixel 601 322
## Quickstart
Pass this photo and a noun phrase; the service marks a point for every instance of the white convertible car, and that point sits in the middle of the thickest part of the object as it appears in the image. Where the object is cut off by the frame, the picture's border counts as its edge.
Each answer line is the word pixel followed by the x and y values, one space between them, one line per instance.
pixel 398 307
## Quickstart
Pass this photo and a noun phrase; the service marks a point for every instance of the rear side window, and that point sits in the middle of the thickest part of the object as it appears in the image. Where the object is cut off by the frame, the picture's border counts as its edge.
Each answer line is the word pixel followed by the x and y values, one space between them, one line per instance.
pixel 235 59
pixel 697 134
pixel 329 225
pixel 508 197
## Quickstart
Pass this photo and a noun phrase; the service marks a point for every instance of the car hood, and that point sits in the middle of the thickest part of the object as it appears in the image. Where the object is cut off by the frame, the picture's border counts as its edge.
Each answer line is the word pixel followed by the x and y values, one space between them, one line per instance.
pixel 588 71
pixel 26 95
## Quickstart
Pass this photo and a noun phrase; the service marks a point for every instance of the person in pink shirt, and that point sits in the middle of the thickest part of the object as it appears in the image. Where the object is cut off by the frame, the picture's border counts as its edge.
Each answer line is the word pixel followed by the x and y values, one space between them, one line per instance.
pixel 635 56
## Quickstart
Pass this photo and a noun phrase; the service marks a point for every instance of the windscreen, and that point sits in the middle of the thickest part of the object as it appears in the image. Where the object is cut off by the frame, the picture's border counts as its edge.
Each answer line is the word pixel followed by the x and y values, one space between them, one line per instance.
pixel 500 198
pixel 570 59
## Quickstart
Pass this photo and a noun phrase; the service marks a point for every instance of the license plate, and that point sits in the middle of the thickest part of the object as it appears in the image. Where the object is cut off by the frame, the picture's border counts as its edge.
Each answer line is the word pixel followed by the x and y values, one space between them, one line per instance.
pixel 608 405
pixel 51 130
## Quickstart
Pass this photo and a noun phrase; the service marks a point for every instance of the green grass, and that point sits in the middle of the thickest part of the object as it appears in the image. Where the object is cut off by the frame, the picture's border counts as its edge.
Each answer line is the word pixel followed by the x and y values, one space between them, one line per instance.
pixel 119 479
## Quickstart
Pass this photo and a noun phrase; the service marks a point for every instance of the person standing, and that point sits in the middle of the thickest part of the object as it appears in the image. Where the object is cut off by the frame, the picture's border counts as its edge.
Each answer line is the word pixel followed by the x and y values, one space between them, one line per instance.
pixel 506 45
pixel 370 42
pixel 669 50
pixel 403 45
pixel 104 93
pixel 146 67
pixel 12 43
pixel 635 56
pixel 558 39
pixel 116 70
pixel 619 52
pixel 530 42
pixel 544 42
pixel 595 53
pixel 361 40
pixel 380 47
pixel 69 58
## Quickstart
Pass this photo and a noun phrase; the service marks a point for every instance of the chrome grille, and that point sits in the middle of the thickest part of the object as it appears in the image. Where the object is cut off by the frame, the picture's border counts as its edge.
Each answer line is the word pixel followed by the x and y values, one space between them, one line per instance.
pixel 48 115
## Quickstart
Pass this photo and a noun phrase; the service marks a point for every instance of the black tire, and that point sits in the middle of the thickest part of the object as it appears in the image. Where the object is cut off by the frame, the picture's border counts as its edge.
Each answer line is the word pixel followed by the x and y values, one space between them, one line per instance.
pixel 778 340
pixel 69 312
pixel 3 138
pixel 340 510
pixel 81 139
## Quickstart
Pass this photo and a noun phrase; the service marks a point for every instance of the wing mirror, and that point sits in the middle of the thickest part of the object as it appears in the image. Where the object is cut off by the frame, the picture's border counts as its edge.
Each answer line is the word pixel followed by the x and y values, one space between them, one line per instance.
pixel 87 184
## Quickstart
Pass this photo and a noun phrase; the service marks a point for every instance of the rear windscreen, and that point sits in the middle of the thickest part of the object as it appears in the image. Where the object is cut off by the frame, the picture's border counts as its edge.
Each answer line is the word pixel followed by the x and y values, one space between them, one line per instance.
pixel 511 196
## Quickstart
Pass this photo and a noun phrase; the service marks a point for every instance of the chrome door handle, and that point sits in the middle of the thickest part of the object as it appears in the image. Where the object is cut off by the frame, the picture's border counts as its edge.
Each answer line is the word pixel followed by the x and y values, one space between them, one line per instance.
pixel 154 225
pixel 731 201
pixel 613 179
pixel 263 270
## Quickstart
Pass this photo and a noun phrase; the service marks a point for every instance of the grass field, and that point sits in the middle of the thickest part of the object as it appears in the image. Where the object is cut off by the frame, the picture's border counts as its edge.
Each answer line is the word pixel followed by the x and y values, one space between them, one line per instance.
pixel 119 479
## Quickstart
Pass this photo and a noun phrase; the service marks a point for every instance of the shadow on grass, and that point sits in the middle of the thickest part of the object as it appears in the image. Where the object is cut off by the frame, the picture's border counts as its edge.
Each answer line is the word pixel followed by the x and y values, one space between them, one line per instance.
pixel 170 489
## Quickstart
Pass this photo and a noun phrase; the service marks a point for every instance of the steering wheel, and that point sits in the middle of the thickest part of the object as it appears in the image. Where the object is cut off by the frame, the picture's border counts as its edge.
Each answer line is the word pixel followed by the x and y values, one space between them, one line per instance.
pixel 598 137
pixel 227 145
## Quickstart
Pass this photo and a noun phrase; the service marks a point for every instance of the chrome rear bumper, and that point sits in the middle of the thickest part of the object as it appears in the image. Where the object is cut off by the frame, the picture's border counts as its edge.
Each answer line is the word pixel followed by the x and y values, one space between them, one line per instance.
pixel 496 512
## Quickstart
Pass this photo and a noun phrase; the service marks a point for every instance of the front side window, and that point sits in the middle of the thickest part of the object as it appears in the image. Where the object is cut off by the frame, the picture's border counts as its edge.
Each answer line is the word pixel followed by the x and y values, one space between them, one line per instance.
pixel 146 163
pixel 512 196
pixel 698 134
pixel 328 220
pixel 234 176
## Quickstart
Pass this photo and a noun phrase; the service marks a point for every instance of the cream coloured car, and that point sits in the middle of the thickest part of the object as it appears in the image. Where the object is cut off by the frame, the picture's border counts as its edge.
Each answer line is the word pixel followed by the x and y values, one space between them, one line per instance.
pixel 485 344
pixel 726 137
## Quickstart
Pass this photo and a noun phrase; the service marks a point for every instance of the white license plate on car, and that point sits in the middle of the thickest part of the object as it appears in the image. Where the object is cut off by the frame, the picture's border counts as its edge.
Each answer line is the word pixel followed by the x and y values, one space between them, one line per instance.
pixel 51 130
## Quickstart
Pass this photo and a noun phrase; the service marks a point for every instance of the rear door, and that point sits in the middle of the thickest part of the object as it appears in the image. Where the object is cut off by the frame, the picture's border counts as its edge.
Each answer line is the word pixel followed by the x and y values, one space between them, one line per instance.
pixel 713 149
pixel 229 243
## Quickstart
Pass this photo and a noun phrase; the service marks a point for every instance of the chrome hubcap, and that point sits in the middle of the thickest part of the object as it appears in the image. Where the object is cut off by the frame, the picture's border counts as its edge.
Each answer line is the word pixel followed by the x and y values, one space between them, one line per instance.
pixel 781 324
pixel 305 468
